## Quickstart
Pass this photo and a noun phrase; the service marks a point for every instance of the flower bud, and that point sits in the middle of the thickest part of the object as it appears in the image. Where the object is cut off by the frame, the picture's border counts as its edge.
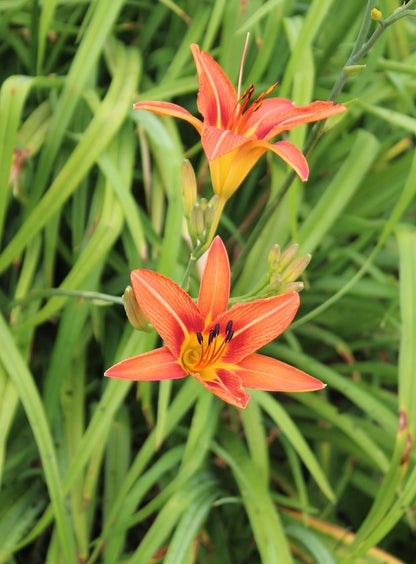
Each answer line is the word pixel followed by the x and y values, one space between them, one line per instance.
pixel 189 188
pixel 353 70
pixel 296 267
pixel 274 257
pixel 209 214
pixel 284 269
pixel 210 211
pixel 294 287
pixel 377 15
pixel 196 222
pixel 133 311
pixel 287 256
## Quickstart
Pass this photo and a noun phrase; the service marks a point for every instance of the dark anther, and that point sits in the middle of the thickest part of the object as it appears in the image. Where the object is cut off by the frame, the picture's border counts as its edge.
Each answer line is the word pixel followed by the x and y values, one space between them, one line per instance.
pixel 229 336
pixel 211 337
pixel 229 327
pixel 200 337
pixel 217 329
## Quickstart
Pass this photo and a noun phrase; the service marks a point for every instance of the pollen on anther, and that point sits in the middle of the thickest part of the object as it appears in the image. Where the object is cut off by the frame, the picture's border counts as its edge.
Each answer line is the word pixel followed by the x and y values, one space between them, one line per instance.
pixel 211 336
pixel 229 336
pixel 200 337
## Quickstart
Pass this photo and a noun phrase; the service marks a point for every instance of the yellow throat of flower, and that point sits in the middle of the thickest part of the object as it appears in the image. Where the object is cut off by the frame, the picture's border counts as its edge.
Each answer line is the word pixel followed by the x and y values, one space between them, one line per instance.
pixel 202 352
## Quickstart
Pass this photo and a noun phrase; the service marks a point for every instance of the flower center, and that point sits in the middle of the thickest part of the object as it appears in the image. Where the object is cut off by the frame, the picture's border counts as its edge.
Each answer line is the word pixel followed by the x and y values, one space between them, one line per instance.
pixel 201 351
pixel 245 107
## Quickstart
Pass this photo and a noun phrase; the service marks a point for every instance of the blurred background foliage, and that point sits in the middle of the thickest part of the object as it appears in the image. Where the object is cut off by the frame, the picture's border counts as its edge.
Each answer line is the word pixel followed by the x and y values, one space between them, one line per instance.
pixel 106 471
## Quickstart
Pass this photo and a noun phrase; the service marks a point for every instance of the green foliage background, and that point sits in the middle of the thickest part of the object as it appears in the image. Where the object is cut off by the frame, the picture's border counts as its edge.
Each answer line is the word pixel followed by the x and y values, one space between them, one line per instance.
pixel 106 471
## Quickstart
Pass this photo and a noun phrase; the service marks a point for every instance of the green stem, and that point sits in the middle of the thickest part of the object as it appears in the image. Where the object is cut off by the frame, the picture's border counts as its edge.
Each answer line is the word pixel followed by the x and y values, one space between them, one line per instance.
pixel 192 260
pixel 83 294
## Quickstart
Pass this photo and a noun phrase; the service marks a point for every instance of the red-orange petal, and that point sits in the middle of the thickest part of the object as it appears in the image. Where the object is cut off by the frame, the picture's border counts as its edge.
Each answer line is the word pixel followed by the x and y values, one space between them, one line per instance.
pixel 227 386
pixel 257 323
pixel 169 109
pixel 299 115
pixel 289 153
pixel 260 372
pixel 158 364
pixel 214 290
pixel 262 121
pixel 170 310
pixel 217 142
pixel 217 97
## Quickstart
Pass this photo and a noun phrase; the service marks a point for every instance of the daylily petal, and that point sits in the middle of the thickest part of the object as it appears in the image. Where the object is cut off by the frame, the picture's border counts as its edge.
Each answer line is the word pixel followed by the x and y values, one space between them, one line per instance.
pixel 266 116
pixel 217 98
pixel 169 109
pixel 289 153
pixel 260 372
pixel 229 171
pixel 227 386
pixel 167 306
pixel 217 142
pixel 299 115
pixel 231 157
pixel 214 291
pixel 257 323
pixel 158 364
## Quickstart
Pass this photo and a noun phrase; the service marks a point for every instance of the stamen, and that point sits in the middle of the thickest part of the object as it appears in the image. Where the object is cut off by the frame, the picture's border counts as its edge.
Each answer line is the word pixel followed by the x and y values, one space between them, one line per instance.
pixel 258 101
pixel 211 336
pixel 246 98
pixel 214 349
pixel 229 336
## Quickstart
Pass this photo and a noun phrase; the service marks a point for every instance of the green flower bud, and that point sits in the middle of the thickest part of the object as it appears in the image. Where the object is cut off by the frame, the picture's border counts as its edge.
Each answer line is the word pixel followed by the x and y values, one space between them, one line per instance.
pixel 296 267
pixel 210 211
pixel 287 256
pixel 189 187
pixel 133 311
pixel 377 15
pixel 274 257
pixel 284 269
pixel 353 70
pixel 197 222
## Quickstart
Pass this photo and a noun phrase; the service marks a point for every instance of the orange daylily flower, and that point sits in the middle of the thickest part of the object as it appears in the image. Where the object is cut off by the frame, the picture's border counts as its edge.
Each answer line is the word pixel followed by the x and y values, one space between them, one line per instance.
pixel 237 130
pixel 206 340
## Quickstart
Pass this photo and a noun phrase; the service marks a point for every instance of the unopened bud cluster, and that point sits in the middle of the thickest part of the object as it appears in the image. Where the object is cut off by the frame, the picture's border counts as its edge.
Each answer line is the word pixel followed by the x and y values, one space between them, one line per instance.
pixel 199 214
pixel 285 269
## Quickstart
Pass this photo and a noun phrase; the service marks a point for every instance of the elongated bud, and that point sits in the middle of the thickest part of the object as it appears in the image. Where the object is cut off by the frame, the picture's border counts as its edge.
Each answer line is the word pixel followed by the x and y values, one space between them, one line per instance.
pixel 133 311
pixel 196 221
pixel 209 214
pixel 287 256
pixel 294 287
pixel 189 187
pixel 296 267
pixel 274 257
pixel 353 70
pixel 210 211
